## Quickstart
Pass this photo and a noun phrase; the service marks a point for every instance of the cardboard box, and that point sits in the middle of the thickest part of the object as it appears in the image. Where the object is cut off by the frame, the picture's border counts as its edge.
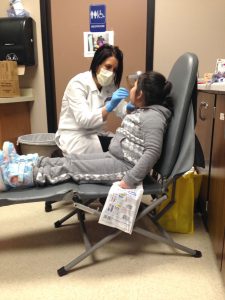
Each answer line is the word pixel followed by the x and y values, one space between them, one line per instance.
pixel 9 80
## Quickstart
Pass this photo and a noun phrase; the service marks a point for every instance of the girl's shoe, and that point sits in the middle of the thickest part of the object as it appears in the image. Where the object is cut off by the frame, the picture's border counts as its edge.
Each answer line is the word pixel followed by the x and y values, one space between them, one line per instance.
pixel 3 187
pixel 10 154
pixel 18 174
pixel 1 157
pixel 9 151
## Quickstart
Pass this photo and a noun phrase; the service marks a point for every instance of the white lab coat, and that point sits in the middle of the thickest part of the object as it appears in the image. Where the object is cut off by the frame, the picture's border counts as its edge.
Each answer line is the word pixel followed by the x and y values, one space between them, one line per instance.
pixel 81 115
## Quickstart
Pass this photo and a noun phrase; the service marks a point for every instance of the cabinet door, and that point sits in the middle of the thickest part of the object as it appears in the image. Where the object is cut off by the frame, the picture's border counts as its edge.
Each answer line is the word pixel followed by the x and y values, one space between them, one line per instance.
pixel 14 121
pixel 204 132
pixel 216 213
pixel 223 260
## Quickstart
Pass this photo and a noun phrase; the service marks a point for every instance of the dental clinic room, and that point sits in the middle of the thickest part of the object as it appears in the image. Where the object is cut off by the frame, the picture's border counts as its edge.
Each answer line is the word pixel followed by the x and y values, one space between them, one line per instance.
pixel 112 150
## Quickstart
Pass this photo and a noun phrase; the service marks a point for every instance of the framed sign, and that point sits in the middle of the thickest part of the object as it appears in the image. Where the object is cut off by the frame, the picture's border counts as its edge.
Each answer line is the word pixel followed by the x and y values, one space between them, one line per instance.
pixel 94 40
pixel 97 18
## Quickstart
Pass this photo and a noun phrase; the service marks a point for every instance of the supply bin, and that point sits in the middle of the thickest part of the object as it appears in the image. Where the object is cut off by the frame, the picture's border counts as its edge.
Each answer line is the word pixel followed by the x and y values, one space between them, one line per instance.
pixel 41 143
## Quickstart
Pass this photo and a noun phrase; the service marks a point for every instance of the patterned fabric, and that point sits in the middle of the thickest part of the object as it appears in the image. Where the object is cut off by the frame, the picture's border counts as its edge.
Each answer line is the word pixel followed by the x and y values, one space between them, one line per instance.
pixel 3 187
pixel 19 174
pixel 10 154
pixel 91 168
pixel 42 178
pixel 15 170
pixel 133 145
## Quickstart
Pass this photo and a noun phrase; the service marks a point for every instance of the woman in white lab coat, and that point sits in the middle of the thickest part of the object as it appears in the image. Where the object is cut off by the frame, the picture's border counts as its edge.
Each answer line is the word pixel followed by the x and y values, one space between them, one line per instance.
pixel 88 100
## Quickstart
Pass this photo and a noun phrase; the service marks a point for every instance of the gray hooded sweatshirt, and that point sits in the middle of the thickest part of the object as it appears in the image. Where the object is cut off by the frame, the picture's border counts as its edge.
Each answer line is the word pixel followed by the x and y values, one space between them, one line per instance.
pixel 139 141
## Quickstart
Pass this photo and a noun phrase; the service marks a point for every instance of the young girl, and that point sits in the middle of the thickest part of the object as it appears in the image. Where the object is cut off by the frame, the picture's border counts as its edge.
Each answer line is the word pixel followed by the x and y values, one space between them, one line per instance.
pixel 133 151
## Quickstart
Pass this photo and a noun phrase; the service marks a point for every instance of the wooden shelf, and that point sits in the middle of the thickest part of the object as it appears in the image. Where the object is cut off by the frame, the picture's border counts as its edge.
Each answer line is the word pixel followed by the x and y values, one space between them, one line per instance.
pixel 26 95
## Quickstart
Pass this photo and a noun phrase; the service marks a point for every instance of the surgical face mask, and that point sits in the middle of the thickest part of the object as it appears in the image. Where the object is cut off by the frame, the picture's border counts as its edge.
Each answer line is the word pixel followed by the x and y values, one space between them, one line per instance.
pixel 105 77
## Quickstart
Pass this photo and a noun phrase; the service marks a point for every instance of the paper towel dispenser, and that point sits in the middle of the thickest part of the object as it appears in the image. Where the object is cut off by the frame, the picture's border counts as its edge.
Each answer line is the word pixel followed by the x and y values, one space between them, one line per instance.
pixel 16 40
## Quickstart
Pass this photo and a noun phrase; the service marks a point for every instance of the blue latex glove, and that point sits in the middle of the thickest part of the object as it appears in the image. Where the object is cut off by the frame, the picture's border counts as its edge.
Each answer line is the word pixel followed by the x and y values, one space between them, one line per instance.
pixel 117 96
pixel 130 107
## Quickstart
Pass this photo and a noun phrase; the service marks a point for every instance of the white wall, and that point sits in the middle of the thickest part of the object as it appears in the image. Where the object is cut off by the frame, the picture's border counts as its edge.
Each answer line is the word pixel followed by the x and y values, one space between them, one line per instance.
pixel 34 75
pixel 196 26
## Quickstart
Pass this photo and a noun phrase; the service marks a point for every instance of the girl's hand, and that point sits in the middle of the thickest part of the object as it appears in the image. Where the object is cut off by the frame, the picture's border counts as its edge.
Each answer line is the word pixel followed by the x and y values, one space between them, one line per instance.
pixel 124 185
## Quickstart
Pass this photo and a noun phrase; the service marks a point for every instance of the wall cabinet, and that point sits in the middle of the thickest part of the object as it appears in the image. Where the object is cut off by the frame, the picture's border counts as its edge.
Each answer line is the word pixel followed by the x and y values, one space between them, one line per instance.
pixel 15 116
pixel 210 130
pixel 204 131
pixel 223 260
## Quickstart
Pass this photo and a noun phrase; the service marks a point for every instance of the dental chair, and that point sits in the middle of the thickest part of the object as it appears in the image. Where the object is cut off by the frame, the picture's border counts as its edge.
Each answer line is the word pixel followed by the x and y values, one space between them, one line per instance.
pixel 177 158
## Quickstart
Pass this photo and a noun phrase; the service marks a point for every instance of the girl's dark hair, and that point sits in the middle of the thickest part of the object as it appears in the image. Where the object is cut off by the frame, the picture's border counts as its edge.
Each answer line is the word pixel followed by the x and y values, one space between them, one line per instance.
pixel 101 54
pixel 155 88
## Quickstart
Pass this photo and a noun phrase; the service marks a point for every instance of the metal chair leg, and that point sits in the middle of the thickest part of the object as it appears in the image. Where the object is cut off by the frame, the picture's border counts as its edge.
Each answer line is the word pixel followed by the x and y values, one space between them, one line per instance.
pixel 65 269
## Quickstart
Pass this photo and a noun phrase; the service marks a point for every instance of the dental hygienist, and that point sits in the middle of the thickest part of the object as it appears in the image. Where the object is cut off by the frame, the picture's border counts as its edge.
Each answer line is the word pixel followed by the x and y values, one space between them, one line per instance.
pixel 88 100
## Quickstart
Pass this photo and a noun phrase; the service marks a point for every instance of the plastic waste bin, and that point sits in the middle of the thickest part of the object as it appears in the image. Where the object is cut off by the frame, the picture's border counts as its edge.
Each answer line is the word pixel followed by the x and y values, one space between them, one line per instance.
pixel 41 143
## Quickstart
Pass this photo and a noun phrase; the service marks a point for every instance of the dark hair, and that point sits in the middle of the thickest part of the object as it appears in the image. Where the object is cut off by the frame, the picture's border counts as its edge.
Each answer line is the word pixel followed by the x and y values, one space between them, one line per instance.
pixel 101 54
pixel 156 89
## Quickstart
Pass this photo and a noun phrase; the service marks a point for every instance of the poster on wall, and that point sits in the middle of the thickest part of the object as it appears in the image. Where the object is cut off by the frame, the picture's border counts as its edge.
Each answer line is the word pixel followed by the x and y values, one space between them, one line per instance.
pixel 220 66
pixel 94 40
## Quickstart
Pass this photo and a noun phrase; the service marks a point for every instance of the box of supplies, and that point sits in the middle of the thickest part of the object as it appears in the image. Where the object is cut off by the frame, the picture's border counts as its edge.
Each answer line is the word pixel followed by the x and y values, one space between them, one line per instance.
pixel 9 80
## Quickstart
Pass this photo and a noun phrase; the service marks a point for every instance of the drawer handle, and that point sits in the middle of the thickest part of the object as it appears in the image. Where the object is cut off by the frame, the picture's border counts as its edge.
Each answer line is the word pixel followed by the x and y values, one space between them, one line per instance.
pixel 203 106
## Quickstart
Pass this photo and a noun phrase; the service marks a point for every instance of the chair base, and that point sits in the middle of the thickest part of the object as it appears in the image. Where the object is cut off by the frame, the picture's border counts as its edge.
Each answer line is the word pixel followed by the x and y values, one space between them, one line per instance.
pixel 163 236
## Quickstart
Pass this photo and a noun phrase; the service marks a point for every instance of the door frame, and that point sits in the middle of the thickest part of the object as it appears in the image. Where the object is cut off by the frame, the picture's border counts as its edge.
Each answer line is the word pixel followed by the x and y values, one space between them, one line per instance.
pixel 48 58
pixel 48 61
